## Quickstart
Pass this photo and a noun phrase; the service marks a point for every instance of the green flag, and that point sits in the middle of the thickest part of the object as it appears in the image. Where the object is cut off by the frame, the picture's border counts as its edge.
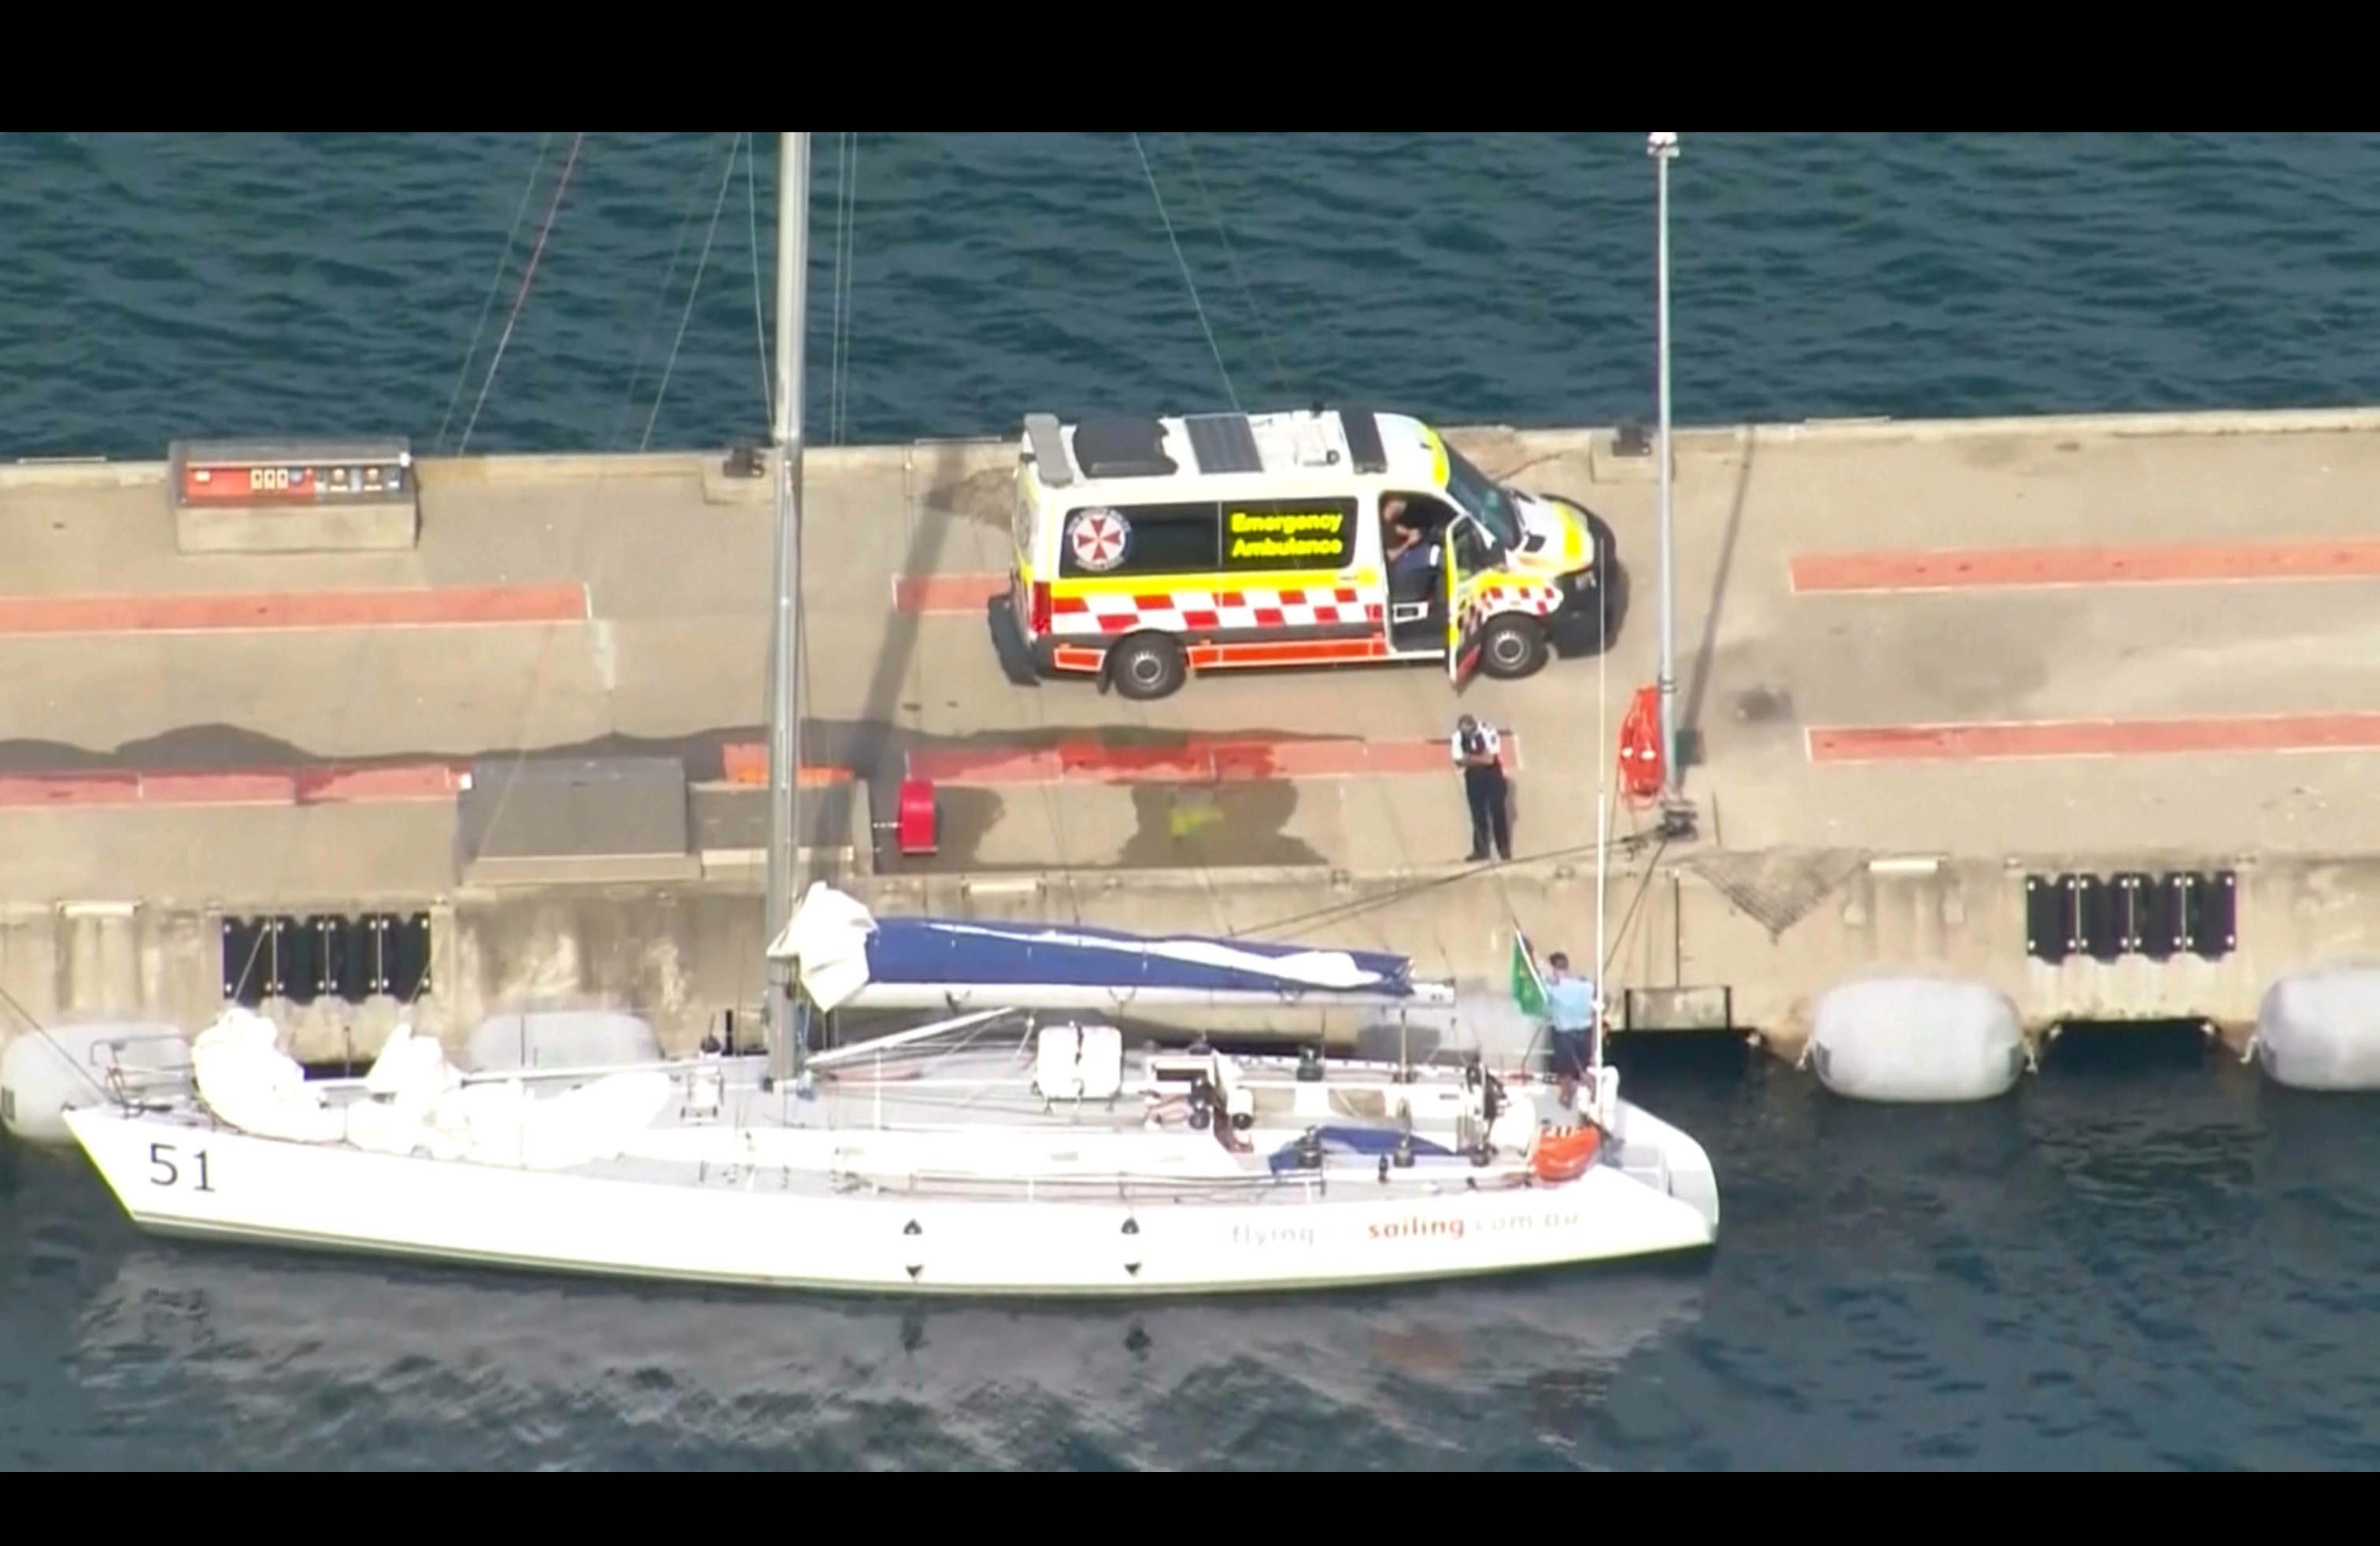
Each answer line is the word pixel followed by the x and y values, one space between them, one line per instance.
pixel 1528 988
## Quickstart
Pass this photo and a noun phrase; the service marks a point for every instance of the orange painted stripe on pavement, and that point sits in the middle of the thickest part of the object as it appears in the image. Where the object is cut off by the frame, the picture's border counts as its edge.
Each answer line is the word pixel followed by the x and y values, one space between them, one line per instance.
pixel 940 593
pixel 747 763
pixel 411 781
pixel 2094 737
pixel 448 606
pixel 2170 563
pixel 99 788
pixel 326 784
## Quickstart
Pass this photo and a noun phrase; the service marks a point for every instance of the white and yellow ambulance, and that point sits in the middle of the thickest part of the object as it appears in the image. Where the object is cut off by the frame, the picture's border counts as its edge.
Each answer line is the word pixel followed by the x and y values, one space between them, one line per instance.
pixel 1149 549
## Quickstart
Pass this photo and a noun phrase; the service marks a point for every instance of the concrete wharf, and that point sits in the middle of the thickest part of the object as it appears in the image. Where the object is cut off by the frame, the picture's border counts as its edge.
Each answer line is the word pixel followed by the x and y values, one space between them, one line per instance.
pixel 2085 708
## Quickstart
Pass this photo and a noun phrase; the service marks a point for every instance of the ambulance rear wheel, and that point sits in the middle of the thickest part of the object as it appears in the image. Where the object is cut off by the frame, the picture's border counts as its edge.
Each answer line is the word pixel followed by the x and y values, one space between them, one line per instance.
pixel 1146 665
pixel 1510 647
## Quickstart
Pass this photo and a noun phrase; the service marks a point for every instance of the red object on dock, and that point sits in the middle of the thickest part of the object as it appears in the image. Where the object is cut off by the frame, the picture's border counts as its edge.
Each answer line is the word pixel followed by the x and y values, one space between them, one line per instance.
pixel 1640 746
pixel 913 828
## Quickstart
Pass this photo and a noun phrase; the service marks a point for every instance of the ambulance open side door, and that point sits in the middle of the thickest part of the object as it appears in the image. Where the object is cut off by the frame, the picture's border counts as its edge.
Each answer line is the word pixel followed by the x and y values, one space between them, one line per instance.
pixel 1464 615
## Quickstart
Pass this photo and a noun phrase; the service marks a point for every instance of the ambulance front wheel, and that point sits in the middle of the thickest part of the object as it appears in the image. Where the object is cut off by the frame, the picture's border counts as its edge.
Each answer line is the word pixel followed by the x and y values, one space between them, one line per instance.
pixel 1511 646
pixel 1146 665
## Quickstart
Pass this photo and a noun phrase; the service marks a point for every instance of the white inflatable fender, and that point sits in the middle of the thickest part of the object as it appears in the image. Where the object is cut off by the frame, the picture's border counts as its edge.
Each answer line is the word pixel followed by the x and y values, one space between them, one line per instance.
pixel 1916 1039
pixel 2320 1029
pixel 562 1039
pixel 48 1070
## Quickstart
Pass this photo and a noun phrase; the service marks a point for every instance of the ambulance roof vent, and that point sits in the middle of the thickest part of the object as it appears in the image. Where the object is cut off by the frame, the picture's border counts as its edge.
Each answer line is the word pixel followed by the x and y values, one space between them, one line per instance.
pixel 1312 442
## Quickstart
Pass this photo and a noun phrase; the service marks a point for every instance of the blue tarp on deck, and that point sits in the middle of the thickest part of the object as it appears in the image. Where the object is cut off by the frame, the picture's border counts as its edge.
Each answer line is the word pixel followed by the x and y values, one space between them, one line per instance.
pixel 928 951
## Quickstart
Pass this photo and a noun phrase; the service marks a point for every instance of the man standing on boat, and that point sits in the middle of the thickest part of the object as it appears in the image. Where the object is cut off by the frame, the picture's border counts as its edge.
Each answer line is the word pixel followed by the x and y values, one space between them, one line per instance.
pixel 1570 1021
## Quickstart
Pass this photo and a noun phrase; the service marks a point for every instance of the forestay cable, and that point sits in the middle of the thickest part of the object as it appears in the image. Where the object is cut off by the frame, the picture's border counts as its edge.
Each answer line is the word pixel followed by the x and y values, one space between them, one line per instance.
pixel 1196 304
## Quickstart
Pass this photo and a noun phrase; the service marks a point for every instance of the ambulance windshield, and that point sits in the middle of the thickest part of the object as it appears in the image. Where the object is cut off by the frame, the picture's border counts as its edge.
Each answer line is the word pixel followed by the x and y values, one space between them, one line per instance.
pixel 1482 500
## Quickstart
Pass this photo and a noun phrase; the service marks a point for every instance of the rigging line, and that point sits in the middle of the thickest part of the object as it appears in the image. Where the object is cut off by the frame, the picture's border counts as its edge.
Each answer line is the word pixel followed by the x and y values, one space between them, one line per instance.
pixel 310 817
pixel 562 186
pixel 1147 171
pixel 589 552
pixel 692 291
pixel 81 1065
pixel 1339 911
pixel 834 317
pixel 644 345
pixel 760 317
pixel 1644 885
pixel 495 282
pixel 846 237
pixel 1231 255
pixel 851 275
pixel 1196 304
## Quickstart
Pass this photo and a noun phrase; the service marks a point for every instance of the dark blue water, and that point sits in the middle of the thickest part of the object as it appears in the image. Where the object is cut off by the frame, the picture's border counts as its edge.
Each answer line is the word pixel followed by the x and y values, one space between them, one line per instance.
pixel 2145 1259
pixel 153 285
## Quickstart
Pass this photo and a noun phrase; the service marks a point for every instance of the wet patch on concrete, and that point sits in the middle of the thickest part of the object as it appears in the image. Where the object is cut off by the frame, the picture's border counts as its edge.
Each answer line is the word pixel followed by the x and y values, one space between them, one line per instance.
pixel 1194 826
pixel 226 748
pixel 1176 826
pixel 880 751
pixel 1229 806
pixel 737 819
pixel 1763 706
pixel 871 751
pixel 985 497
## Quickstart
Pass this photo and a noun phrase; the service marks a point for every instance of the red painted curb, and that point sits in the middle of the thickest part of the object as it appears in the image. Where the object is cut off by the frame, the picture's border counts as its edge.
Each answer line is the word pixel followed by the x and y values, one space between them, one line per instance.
pixel 1958 743
pixel 448 607
pixel 329 784
pixel 1196 760
pixel 945 593
pixel 2172 563
pixel 1221 758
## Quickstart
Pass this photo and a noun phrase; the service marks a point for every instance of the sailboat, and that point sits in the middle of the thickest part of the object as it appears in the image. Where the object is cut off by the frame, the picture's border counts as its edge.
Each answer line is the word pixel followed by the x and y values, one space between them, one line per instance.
pixel 984 1152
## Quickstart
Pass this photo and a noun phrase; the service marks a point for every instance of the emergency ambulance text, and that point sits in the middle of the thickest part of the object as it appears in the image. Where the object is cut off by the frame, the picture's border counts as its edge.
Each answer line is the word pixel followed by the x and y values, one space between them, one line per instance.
pixel 1285 534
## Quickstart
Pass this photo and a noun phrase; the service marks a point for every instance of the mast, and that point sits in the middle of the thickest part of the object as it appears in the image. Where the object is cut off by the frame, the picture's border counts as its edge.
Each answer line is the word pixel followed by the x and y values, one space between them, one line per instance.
pixel 785 679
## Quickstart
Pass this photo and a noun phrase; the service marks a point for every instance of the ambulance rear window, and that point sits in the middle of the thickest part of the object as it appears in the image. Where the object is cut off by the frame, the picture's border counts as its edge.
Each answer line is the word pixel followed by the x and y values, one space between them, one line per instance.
pixel 1099 540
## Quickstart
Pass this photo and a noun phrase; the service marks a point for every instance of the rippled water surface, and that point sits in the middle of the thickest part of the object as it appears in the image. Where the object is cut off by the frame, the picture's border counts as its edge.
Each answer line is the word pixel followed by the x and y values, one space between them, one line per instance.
pixel 2156 1264
pixel 2145 1258
pixel 154 285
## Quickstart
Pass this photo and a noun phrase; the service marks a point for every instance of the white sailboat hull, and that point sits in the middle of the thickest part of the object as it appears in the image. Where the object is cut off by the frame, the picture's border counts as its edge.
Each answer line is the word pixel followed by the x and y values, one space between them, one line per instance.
pixel 762 1229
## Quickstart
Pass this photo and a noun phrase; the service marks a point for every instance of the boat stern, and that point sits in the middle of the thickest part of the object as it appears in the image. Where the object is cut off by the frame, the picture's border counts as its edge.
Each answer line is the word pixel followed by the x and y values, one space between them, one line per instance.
pixel 1667 1158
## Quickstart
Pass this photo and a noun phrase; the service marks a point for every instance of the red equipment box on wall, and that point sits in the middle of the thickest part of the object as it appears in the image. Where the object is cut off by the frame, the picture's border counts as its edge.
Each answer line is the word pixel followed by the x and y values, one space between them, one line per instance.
pixel 293 497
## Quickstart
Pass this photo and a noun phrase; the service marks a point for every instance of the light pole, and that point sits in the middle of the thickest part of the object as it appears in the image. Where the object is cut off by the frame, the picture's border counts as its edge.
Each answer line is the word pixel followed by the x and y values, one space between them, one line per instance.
pixel 1662 146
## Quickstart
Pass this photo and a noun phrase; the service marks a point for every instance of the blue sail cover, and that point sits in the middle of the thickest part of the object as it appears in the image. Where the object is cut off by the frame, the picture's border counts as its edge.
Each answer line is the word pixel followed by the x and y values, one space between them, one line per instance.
pixel 1366 1141
pixel 935 951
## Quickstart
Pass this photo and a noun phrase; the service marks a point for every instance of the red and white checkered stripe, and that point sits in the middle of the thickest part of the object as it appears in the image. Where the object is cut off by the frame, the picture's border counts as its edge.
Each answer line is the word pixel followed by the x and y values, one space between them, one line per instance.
pixel 1537 599
pixel 1180 611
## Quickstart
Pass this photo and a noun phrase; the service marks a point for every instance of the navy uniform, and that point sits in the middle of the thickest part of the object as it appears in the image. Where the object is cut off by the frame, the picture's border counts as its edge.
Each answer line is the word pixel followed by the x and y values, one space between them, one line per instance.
pixel 1478 751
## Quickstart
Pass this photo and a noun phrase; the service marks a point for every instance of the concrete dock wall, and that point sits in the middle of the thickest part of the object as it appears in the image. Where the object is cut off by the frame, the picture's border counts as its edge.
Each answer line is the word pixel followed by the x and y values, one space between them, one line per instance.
pixel 1698 945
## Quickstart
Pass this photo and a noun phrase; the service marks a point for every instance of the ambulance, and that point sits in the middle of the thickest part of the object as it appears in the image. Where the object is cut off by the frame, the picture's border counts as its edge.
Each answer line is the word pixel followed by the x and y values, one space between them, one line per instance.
pixel 1148 550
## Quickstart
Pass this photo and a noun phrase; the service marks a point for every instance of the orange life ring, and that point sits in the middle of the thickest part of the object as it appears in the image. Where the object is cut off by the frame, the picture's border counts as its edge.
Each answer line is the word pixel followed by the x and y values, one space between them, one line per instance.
pixel 1566 1156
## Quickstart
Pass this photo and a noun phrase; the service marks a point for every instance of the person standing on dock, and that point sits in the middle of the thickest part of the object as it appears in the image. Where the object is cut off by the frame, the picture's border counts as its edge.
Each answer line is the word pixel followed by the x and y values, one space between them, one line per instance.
pixel 1569 1024
pixel 1479 753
